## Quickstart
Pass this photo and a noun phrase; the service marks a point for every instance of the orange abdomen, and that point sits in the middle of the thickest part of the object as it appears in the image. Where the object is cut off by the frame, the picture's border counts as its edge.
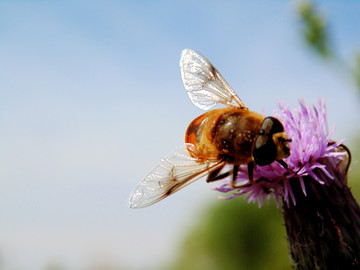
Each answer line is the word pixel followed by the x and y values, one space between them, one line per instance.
pixel 224 134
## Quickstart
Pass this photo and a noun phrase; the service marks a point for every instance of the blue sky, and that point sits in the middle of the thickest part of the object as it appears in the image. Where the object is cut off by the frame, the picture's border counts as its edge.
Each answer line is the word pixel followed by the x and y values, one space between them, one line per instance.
pixel 91 99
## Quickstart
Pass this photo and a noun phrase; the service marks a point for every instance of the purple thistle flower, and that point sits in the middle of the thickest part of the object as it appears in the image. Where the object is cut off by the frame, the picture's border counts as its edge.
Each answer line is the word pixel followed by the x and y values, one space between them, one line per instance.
pixel 322 218
pixel 311 143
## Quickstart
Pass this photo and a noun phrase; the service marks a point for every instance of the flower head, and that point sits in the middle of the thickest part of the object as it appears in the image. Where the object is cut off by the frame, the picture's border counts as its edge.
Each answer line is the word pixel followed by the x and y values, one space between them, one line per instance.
pixel 311 143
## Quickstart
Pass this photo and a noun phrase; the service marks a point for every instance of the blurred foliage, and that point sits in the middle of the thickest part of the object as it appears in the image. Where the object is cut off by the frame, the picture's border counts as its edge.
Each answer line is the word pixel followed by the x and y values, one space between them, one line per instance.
pixel 314 30
pixel 354 170
pixel 235 235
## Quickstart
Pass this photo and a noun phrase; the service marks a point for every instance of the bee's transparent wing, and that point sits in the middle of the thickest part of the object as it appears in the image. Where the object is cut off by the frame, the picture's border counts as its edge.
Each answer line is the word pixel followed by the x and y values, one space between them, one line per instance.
pixel 171 174
pixel 204 84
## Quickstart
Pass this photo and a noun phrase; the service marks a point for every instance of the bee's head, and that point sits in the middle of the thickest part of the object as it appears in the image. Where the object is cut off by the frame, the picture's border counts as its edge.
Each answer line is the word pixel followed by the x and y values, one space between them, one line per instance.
pixel 271 142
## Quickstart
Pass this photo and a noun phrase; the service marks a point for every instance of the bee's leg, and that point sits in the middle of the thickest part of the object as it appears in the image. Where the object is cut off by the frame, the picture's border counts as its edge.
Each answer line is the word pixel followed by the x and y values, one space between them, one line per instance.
pixel 235 172
pixel 233 180
pixel 214 175
pixel 251 171
pixel 282 163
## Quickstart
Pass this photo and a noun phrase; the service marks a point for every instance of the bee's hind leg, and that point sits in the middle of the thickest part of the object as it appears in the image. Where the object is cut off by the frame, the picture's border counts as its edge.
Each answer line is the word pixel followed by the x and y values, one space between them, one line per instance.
pixel 215 174
pixel 250 174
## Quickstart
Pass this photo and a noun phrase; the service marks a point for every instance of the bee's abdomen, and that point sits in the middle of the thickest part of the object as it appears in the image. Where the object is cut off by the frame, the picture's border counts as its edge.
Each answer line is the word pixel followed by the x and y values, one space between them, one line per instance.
pixel 224 134
pixel 199 136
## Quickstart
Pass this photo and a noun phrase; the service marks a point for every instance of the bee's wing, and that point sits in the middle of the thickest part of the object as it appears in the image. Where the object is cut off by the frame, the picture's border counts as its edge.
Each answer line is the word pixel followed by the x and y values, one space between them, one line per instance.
pixel 171 174
pixel 204 84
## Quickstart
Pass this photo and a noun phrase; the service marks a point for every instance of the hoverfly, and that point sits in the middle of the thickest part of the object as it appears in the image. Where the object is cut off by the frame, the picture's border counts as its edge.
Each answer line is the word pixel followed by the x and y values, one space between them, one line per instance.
pixel 231 135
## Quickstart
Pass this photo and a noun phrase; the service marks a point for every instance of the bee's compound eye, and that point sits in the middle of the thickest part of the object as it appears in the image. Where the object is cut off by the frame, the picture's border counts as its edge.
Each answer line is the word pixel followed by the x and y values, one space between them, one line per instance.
pixel 272 125
pixel 264 151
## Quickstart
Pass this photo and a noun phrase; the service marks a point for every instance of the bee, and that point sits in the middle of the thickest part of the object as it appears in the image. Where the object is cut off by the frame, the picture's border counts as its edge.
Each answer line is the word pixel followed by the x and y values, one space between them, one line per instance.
pixel 232 135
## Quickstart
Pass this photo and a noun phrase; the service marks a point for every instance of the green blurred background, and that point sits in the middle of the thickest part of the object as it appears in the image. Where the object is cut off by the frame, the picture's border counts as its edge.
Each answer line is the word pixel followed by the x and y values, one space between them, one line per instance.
pixel 92 98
